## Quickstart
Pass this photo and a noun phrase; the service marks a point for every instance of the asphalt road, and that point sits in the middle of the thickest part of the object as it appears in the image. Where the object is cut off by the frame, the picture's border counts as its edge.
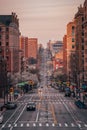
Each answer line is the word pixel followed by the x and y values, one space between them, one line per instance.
pixel 53 112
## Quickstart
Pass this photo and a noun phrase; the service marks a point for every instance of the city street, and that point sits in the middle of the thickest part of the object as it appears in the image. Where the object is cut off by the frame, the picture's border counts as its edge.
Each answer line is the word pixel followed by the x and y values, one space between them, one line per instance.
pixel 53 111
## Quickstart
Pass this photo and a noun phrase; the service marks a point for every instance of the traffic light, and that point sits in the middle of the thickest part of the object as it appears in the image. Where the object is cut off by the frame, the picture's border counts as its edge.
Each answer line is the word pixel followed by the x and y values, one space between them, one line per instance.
pixel 11 90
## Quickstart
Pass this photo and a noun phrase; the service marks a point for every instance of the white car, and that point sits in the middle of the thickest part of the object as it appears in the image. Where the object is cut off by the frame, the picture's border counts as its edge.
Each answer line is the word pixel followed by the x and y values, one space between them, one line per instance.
pixel 1 118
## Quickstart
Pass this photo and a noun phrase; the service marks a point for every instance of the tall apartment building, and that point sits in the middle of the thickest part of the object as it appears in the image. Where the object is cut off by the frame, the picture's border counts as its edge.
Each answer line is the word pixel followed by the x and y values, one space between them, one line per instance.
pixel 32 47
pixel 9 41
pixel 24 45
pixel 65 54
pixel 85 40
pixel 79 36
pixel 70 47
pixel 9 49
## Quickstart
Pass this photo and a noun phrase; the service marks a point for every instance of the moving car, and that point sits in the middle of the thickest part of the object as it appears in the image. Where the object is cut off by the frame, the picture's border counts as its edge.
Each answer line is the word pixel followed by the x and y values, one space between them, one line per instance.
pixel 80 104
pixel 31 106
pixel 1 118
pixel 10 105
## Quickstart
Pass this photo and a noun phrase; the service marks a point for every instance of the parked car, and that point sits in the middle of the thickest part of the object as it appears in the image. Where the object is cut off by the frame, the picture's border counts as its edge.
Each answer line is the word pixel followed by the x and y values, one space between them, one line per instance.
pixel 10 105
pixel 31 106
pixel 1 118
pixel 80 104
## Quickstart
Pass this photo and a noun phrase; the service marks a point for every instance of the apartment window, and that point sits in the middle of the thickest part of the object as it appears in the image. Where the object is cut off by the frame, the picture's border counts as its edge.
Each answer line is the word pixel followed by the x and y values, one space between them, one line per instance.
pixel 7 36
pixel 73 46
pixel 82 40
pixel 82 19
pixel 7 43
pixel 0 36
pixel 0 50
pixel 85 59
pixel 7 50
pixel 73 40
pixel 82 33
pixel 85 42
pixel 0 29
pixel 7 57
pixel 85 51
pixel 73 30
pixel 0 43
pixel 7 29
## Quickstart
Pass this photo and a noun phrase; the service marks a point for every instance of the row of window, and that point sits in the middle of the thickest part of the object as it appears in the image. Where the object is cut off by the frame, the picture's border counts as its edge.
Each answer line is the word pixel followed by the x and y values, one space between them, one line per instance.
pixel 7 36
pixel 7 29
pixel 7 43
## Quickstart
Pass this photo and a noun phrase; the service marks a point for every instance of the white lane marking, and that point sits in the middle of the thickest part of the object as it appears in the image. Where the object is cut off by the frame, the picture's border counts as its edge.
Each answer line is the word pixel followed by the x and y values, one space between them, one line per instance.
pixel 72 125
pixel 37 116
pixel 53 124
pixel 60 125
pixel 3 126
pixel 47 124
pixel 85 125
pixel 79 125
pixel 20 114
pixel 27 125
pixel 9 125
pixel 21 125
pixel 10 117
pixel 66 125
pixel 40 124
pixel 34 124
pixel 15 125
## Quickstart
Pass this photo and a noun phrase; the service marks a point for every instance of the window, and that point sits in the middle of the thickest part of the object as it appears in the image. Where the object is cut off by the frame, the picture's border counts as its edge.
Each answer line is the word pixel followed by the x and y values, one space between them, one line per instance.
pixel 73 30
pixel 73 40
pixel 7 58
pixel 0 36
pixel 0 29
pixel 7 29
pixel 85 59
pixel 7 36
pixel 85 51
pixel 0 43
pixel 73 46
pixel 82 19
pixel 7 43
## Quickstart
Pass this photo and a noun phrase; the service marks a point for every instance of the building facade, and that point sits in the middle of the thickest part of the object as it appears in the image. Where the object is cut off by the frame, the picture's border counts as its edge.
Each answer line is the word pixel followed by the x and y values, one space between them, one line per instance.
pixel 9 41
pixel 85 41
pixel 32 48
pixel 79 36
pixel 70 47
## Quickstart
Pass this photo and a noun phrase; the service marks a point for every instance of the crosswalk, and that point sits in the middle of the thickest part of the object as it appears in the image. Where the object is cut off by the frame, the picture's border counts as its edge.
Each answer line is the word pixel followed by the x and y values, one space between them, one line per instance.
pixel 43 124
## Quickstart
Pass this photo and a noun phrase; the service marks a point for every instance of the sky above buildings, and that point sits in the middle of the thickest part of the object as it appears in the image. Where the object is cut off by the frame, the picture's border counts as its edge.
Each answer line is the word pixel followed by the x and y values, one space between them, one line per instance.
pixel 42 19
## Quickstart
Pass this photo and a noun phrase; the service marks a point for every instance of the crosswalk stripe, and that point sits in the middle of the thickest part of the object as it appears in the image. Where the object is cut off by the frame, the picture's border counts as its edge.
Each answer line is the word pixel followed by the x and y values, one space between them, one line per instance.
pixel 15 125
pixel 53 124
pixel 21 125
pixel 60 125
pixel 85 125
pixel 66 125
pixel 9 125
pixel 40 124
pixel 47 124
pixel 72 125
pixel 79 125
pixel 27 125
pixel 34 124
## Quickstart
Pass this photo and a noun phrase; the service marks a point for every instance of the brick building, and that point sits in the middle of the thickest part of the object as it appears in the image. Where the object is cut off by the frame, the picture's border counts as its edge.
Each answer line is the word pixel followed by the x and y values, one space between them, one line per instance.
pixel 32 47
pixel 9 41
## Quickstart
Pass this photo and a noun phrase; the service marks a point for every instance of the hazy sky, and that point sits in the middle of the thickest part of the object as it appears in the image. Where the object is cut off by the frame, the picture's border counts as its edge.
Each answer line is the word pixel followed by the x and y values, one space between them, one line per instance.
pixel 43 19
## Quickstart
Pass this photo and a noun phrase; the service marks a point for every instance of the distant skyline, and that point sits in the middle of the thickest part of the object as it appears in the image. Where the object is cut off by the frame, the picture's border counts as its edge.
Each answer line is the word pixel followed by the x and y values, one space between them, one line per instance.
pixel 42 19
